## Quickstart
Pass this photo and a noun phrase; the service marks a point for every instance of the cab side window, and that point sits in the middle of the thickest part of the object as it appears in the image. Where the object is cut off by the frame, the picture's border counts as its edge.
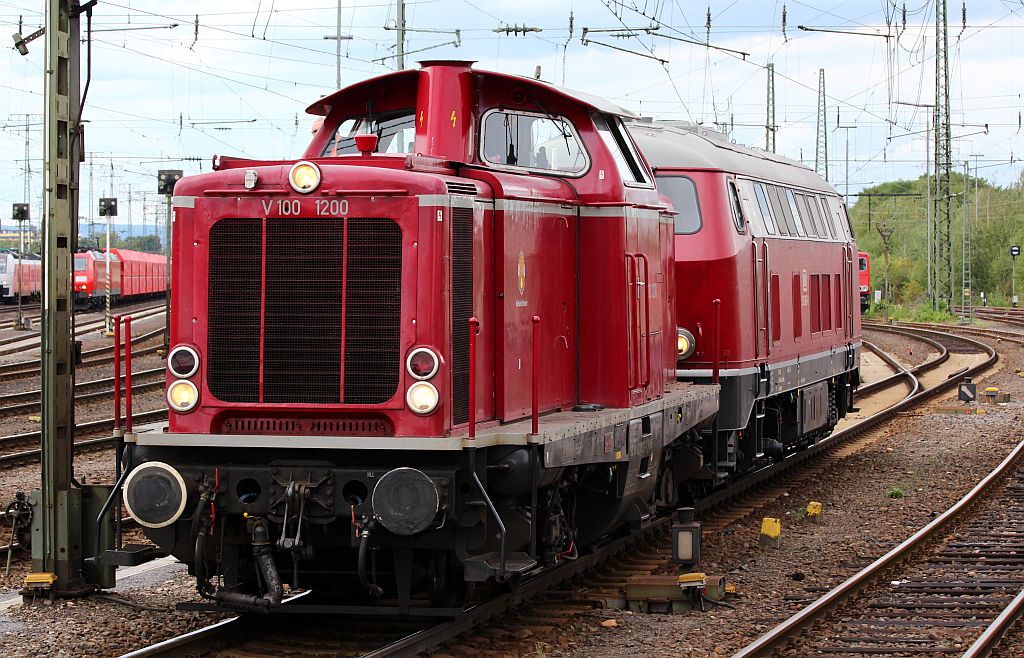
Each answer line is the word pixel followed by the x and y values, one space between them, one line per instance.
pixel 736 208
pixel 532 141
pixel 627 160
pixel 683 193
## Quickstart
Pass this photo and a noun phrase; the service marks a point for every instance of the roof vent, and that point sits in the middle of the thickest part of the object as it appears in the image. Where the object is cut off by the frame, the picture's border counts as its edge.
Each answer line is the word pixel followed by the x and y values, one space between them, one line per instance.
pixel 461 188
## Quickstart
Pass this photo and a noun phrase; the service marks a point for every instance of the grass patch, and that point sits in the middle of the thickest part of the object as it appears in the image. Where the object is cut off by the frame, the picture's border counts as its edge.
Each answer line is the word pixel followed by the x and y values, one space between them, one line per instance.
pixel 896 493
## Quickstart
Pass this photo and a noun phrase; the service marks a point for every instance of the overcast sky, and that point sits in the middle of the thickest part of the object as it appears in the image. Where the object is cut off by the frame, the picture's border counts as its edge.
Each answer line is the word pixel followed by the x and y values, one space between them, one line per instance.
pixel 162 91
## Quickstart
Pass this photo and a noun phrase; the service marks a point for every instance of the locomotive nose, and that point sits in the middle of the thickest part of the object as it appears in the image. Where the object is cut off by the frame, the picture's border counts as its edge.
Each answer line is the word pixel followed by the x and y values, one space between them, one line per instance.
pixel 155 495
pixel 405 501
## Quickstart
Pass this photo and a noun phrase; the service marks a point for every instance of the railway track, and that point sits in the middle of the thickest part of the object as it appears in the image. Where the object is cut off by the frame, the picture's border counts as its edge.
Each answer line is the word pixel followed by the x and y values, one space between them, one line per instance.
pixel 93 357
pixel 25 343
pixel 928 594
pixel 26 402
pixel 608 565
pixel 86 432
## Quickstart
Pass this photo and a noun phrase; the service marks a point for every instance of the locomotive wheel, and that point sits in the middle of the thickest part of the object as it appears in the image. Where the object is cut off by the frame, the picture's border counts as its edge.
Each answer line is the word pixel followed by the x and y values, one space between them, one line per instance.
pixel 19 514
pixel 668 492
pixel 447 587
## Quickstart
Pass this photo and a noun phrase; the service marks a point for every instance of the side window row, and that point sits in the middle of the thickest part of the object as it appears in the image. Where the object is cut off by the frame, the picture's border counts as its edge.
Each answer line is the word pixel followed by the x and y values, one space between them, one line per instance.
pixel 782 211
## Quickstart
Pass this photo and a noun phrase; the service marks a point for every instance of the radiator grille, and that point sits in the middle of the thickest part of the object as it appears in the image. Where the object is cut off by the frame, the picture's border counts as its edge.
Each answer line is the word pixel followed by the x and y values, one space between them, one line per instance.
pixel 309 426
pixel 233 354
pixel 372 309
pixel 308 312
pixel 462 310
pixel 302 321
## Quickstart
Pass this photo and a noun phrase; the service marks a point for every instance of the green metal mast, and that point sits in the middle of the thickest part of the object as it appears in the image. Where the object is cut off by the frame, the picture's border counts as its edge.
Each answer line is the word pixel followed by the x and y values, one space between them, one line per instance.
pixel 56 541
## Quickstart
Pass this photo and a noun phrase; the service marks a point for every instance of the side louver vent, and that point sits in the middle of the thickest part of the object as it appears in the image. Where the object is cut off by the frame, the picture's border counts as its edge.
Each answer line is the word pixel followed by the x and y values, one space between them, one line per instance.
pixel 462 310
pixel 461 188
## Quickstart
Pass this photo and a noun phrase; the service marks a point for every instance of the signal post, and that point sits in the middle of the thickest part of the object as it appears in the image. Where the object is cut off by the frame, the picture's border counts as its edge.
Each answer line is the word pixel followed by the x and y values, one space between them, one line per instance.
pixel 59 534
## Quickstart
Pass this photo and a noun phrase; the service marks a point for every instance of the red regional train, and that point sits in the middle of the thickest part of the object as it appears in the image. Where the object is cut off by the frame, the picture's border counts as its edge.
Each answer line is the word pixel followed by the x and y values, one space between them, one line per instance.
pixel 864 265
pixel 464 337
pixel 19 275
pixel 133 275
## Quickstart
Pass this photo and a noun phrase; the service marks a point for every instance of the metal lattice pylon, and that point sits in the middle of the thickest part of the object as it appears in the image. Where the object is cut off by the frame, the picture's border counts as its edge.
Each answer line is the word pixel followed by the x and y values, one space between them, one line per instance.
pixel 821 143
pixel 943 261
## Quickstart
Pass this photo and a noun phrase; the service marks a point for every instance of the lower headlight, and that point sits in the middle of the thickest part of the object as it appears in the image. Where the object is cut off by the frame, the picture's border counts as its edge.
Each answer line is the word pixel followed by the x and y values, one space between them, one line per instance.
pixel 685 343
pixel 182 395
pixel 422 398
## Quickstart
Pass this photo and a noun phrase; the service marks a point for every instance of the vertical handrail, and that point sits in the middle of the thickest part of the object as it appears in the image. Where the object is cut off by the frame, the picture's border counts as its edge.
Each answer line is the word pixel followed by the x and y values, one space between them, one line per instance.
pixel 128 374
pixel 118 432
pixel 536 376
pixel 718 340
pixel 754 263
pixel 117 373
pixel 769 329
pixel 632 371
pixel 645 296
pixel 474 325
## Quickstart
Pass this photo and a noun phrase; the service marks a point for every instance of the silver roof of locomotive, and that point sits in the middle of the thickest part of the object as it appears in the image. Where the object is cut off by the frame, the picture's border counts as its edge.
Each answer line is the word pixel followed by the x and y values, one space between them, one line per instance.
pixel 683 145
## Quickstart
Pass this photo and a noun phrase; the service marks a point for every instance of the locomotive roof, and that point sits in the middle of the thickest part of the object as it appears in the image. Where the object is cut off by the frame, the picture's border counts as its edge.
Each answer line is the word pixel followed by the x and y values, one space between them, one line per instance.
pixel 679 145
pixel 324 105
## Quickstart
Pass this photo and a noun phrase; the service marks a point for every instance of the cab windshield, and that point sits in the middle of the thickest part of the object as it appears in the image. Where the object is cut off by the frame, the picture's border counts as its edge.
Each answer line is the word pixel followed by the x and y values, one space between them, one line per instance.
pixel 79 263
pixel 395 131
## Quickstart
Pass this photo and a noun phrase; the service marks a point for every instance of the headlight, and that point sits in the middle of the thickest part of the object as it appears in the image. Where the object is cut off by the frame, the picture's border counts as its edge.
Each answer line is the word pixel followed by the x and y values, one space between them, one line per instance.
pixel 422 398
pixel 304 177
pixel 183 361
pixel 685 343
pixel 421 363
pixel 182 395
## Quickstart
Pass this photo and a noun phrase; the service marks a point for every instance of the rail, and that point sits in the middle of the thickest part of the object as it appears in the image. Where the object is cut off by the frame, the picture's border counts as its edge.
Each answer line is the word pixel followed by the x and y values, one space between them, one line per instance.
pixel 986 644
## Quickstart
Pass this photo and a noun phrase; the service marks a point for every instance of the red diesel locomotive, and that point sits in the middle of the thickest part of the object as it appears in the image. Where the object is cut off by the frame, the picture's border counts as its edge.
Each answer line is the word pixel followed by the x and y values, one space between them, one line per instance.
pixel 133 275
pixel 764 266
pixel 444 347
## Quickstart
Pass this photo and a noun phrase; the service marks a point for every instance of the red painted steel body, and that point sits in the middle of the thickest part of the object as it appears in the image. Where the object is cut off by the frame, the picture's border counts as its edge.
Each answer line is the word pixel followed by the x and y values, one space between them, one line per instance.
pixel 449 100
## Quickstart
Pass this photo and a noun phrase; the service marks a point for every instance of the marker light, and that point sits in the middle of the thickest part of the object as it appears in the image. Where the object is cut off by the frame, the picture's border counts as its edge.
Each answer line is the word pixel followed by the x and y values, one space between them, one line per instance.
pixel 421 363
pixel 304 177
pixel 183 361
pixel 422 398
pixel 685 343
pixel 182 395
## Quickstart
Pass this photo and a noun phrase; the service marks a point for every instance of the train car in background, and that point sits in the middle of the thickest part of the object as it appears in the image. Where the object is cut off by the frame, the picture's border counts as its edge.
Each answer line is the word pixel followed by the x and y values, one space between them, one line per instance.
pixel 19 276
pixel 864 267
pixel 787 347
pixel 133 275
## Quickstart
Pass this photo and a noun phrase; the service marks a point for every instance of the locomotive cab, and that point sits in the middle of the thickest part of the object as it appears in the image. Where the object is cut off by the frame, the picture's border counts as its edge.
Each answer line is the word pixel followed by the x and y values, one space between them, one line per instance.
pixel 431 351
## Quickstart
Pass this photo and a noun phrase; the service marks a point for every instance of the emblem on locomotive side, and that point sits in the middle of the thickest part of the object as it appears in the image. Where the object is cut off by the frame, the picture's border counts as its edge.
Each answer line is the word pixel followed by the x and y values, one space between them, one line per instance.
pixel 521 272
